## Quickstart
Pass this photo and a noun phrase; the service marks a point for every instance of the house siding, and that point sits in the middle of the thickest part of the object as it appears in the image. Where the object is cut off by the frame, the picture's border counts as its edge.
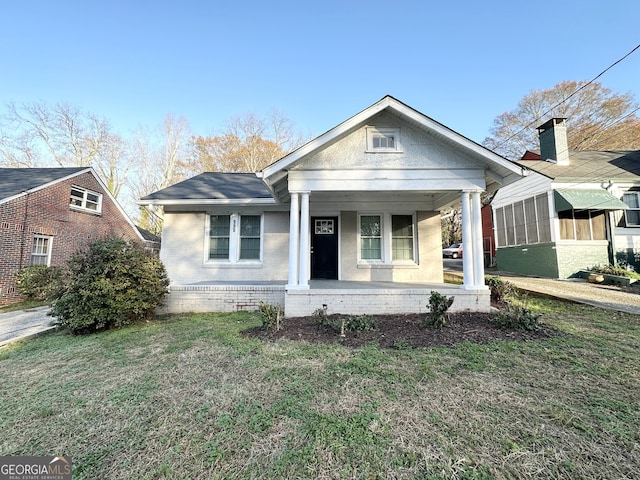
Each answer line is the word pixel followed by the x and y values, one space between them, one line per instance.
pixel 47 212
pixel 552 260
pixel 183 254
pixel 576 256
pixel 537 259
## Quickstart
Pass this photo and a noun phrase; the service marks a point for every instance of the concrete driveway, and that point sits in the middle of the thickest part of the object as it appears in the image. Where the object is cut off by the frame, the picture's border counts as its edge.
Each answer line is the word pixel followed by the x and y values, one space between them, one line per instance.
pixel 23 324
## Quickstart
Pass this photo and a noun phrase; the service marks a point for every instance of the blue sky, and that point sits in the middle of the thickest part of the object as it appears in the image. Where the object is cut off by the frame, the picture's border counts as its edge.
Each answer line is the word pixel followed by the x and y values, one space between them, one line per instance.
pixel 459 62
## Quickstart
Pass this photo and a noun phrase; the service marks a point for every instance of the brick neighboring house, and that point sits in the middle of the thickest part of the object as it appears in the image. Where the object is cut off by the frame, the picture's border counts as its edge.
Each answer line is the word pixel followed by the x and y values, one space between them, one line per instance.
pixel 47 214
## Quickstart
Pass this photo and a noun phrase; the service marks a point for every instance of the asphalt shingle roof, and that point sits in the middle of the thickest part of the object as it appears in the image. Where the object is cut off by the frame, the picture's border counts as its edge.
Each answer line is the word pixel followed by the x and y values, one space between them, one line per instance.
pixel 214 186
pixel 14 181
pixel 591 165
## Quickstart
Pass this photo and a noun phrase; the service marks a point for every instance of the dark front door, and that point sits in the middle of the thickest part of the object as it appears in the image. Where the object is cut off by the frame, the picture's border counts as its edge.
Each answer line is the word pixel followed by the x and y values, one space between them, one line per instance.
pixel 324 247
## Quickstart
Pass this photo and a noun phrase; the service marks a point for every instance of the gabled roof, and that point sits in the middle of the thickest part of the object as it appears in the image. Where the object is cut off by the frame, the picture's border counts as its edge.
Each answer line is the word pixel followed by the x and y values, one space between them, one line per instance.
pixel 596 166
pixel 499 169
pixel 213 188
pixel 15 181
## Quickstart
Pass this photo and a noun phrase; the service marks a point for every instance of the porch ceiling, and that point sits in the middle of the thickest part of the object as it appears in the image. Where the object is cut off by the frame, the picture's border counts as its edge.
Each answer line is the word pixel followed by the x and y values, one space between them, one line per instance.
pixel 433 200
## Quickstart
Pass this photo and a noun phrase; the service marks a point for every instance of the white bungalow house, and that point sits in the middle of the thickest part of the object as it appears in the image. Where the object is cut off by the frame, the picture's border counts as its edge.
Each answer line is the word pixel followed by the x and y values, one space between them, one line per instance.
pixel 350 222
pixel 574 210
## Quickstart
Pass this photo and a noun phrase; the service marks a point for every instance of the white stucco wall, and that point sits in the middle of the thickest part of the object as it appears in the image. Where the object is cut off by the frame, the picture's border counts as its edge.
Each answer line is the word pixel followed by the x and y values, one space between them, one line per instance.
pixel 183 254
pixel 428 267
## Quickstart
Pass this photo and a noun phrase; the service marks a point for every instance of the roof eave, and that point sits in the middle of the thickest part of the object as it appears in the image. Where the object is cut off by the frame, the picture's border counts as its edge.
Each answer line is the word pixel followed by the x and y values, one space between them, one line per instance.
pixel 208 201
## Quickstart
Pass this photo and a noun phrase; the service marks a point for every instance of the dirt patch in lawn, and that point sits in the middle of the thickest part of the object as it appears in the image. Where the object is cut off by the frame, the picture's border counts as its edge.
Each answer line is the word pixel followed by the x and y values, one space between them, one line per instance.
pixel 402 331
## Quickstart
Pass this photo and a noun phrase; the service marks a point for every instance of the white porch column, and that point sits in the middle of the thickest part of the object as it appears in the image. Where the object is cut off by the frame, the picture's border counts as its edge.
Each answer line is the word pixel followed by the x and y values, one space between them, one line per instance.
pixel 478 247
pixel 305 247
pixel 294 240
pixel 467 243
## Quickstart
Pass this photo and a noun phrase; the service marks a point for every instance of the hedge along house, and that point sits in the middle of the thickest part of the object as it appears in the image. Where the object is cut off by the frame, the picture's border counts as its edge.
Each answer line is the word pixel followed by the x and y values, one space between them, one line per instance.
pixel 576 209
pixel 47 214
pixel 350 221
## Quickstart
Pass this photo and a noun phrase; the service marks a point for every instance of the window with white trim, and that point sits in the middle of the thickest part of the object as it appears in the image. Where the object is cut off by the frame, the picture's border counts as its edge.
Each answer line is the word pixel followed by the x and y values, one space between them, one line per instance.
pixel 234 238
pixel 383 140
pixel 371 237
pixel 41 250
pixel 523 222
pixel 386 238
pixel 402 237
pixel 632 214
pixel 84 199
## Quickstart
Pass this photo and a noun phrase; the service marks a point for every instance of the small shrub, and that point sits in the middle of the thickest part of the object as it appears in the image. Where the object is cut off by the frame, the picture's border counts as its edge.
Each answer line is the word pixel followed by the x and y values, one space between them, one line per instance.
pixel 402 344
pixel 41 282
pixel 517 317
pixel 113 283
pixel 438 307
pixel 342 324
pixel 621 270
pixel 500 289
pixel 359 323
pixel 320 316
pixel 271 316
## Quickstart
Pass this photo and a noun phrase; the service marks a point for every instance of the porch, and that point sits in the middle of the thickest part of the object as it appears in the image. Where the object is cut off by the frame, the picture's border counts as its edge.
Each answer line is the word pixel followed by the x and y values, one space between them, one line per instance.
pixel 346 297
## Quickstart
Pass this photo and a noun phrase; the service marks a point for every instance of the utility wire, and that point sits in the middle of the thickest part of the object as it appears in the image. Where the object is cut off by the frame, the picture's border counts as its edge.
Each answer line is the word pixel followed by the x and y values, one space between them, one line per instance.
pixel 566 99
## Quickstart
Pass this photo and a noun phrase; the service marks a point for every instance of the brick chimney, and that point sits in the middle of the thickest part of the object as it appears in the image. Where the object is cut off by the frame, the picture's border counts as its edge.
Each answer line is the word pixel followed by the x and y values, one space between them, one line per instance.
pixel 553 141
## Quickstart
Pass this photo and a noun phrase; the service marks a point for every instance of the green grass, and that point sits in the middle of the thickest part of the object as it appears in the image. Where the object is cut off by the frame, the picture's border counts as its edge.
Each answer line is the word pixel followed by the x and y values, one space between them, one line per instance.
pixel 188 396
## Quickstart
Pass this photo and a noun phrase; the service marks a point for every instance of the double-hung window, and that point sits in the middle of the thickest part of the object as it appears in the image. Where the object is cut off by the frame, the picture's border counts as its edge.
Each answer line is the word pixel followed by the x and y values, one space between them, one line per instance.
pixel 632 214
pixel 41 250
pixel 84 199
pixel 235 238
pixel 386 238
pixel 402 237
pixel 371 237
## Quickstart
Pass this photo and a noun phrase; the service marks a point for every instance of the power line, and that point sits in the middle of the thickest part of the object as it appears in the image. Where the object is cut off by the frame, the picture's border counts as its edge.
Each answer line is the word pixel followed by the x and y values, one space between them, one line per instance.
pixel 536 120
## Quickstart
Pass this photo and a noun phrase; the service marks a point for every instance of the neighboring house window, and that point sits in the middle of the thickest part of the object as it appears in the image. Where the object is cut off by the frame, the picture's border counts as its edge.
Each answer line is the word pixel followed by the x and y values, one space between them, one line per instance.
pixel 41 250
pixel 371 237
pixel 524 222
pixel 235 237
pixel 402 237
pixel 382 140
pixel 379 243
pixel 582 225
pixel 85 199
pixel 632 214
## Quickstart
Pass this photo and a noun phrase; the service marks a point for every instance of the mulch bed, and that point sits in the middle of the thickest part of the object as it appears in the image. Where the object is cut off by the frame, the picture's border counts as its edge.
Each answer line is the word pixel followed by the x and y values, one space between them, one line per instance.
pixel 395 331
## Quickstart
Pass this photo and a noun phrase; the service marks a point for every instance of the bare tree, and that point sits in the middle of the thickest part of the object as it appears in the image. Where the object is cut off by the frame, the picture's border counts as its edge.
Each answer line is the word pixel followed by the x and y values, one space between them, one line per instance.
pixel 597 119
pixel 161 157
pixel 38 134
pixel 248 144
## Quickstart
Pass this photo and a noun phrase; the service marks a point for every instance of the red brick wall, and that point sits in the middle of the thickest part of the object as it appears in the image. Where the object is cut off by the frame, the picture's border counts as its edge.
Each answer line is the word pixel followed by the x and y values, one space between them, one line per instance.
pixel 487 230
pixel 47 212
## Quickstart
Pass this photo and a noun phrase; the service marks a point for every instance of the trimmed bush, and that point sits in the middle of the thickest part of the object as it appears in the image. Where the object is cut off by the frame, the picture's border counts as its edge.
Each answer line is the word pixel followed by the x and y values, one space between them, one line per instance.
pixel 517 317
pixel 438 307
pixel 41 282
pixel 112 283
pixel 500 289
pixel 271 316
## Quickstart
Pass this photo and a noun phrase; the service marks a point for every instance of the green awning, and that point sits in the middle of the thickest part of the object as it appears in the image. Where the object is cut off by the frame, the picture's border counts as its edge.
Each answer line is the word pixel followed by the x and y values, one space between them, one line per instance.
pixel 578 199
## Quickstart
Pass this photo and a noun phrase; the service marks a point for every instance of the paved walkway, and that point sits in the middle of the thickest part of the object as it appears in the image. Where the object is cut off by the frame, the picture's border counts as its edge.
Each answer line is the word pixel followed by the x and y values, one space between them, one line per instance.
pixel 23 324
pixel 578 290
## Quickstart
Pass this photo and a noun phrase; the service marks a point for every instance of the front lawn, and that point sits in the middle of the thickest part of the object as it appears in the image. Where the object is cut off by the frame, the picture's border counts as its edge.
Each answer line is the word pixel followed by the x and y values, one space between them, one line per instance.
pixel 190 396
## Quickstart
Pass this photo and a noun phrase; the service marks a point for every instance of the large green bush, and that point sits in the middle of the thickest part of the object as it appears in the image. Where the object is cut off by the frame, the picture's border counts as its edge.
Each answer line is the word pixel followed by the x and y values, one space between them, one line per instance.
pixel 41 282
pixel 112 283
